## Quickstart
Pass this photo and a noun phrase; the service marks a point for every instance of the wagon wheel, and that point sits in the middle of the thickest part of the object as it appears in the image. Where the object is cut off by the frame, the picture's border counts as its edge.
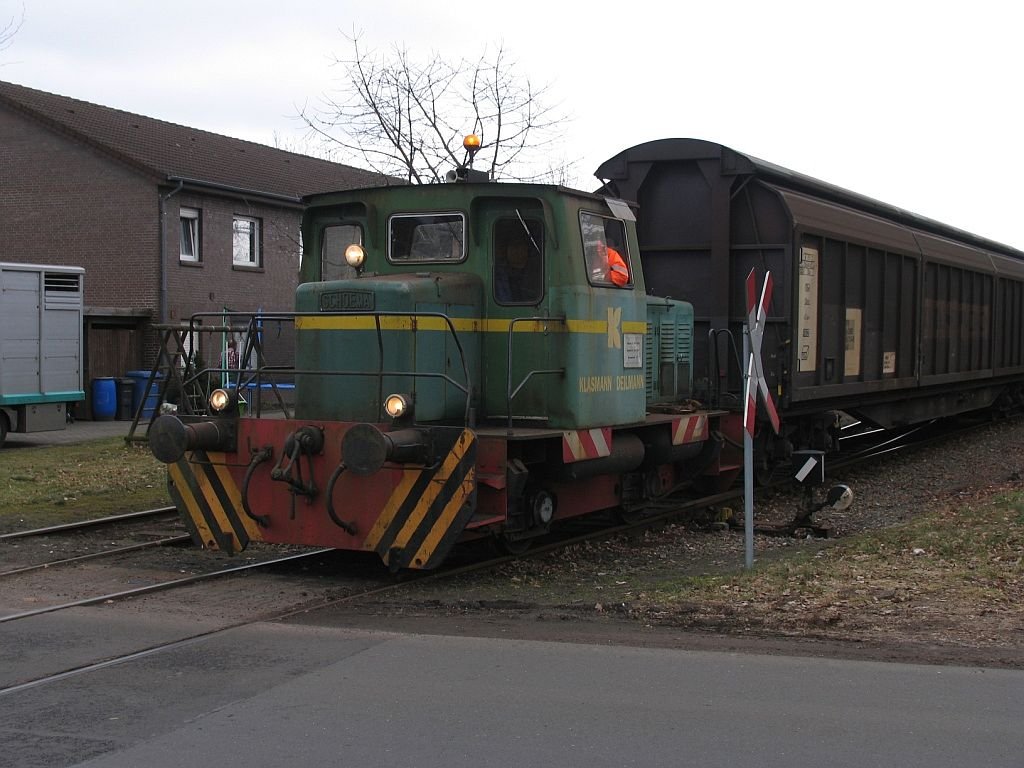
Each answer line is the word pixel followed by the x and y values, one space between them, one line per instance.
pixel 763 473
pixel 764 467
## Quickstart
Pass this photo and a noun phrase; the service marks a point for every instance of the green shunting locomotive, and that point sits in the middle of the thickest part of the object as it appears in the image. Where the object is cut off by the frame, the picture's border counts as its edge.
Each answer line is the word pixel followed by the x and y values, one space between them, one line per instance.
pixel 472 359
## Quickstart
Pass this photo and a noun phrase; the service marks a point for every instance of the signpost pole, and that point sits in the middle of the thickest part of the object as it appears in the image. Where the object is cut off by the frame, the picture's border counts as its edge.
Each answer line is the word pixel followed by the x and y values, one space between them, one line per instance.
pixel 748 467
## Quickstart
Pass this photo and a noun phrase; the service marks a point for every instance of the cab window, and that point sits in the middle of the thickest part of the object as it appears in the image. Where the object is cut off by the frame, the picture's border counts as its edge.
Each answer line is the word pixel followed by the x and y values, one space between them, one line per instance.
pixel 518 261
pixel 426 237
pixel 333 242
pixel 604 250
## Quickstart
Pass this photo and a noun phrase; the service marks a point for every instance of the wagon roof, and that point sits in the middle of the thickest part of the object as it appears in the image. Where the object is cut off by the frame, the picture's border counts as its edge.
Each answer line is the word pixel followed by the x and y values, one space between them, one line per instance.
pixel 733 163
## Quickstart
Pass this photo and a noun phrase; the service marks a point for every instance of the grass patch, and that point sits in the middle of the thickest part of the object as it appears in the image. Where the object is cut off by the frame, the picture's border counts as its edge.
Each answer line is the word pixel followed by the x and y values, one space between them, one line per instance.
pixel 961 567
pixel 59 484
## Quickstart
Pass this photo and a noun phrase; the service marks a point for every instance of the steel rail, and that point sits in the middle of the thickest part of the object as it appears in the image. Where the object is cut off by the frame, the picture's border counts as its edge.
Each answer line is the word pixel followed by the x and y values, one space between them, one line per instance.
pixel 191 639
pixel 96 555
pixel 82 524
pixel 164 585
pixel 913 441
pixel 286 613
pixel 293 611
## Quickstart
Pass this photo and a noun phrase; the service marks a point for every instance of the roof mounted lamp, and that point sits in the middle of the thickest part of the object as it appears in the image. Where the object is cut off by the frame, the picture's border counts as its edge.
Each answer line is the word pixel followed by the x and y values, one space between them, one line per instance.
pixel 471 143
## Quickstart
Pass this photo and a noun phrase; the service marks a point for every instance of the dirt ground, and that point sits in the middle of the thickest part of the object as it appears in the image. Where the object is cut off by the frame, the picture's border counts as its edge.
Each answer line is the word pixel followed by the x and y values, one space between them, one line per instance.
pixel 531 622
pixel 926 567
pixel 920 636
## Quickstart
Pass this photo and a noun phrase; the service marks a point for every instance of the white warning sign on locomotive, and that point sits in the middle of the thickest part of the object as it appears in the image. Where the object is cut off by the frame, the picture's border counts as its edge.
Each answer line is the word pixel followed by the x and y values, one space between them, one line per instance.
pixel 632 350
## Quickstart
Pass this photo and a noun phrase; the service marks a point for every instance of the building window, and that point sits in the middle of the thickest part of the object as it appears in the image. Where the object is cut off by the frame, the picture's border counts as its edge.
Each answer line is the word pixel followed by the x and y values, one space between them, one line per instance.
pixel 189 235
pixel 246 242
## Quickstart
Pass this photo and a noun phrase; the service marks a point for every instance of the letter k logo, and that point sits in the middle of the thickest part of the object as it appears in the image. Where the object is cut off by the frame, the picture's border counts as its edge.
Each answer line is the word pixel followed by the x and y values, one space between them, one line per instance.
pixel 614 328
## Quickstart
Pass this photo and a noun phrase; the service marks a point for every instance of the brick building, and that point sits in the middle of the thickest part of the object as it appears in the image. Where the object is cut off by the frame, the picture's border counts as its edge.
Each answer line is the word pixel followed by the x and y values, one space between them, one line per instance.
pixel 166 220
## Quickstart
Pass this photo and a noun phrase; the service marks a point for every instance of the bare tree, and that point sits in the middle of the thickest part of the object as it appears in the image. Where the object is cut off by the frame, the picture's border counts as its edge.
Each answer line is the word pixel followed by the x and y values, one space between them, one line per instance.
pixel 306 145
pixel 406 118
pixel 10 29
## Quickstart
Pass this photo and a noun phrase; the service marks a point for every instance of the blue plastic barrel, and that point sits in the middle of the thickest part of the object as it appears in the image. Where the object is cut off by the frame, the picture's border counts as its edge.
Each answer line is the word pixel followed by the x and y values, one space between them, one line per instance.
pixel 139 379
pixel 104 398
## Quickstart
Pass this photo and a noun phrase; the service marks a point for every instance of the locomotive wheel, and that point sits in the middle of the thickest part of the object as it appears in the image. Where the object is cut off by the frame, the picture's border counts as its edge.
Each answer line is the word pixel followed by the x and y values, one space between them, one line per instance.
pixel 631 515
pixel 504 545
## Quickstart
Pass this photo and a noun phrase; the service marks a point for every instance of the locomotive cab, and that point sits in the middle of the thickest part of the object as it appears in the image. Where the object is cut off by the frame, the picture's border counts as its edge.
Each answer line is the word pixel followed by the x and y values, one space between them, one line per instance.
pixel 499 302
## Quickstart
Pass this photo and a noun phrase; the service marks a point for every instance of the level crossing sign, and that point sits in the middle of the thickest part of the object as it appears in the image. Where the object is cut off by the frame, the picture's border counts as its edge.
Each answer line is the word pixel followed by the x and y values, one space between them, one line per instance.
pixel 757 312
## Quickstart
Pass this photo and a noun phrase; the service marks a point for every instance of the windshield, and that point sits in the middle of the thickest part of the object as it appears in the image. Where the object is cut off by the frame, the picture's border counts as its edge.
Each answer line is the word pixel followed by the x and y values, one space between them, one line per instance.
pixel 427 237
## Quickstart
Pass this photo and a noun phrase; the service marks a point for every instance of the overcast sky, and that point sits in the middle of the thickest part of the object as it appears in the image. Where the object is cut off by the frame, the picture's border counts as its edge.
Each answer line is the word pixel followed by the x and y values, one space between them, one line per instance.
pixel 917 104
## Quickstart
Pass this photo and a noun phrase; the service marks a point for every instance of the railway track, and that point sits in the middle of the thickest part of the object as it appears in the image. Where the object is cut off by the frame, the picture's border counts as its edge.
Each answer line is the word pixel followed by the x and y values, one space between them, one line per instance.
pixel 164 542
pixel 359 588
pixel 908 439
pixel 81 525
pixel 94 534
pixel 568 538
pixel 355 591
pixel 160 586
pixel 362 592
pixel 858 449
pixel 859 446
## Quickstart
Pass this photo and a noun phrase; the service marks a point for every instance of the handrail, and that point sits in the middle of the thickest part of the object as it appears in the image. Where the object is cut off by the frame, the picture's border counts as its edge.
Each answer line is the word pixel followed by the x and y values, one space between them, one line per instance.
pixel 253 325
pixel 714 369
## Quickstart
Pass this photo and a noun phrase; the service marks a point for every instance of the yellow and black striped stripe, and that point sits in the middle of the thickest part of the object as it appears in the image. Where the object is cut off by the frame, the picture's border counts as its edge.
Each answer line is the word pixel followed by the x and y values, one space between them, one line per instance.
pixel 210 502
pixel 429 508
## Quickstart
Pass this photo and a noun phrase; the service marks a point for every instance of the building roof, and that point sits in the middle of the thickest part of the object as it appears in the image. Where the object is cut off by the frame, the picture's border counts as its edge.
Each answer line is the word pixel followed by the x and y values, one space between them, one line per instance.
pixel 172 152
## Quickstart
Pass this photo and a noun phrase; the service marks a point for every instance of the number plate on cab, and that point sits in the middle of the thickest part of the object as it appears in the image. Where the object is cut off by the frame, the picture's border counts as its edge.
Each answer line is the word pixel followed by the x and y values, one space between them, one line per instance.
pixel 341 301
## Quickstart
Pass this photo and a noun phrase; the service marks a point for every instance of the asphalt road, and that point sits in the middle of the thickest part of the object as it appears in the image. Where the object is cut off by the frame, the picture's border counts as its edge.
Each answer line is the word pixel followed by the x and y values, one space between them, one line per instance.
pixel 290 694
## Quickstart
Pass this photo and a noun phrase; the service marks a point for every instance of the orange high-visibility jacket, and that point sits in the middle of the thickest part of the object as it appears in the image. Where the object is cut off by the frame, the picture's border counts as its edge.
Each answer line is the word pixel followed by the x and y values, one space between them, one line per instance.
pixel 617 269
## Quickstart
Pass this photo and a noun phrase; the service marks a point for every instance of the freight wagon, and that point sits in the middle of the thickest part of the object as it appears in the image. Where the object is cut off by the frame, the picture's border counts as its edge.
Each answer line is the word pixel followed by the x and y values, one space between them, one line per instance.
pixel 877 312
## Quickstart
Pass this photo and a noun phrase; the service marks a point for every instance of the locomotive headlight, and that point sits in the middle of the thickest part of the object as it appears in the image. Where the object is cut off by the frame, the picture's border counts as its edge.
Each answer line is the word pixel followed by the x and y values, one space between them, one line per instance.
pixel 396 406
pixel 219 400
pixel 355 255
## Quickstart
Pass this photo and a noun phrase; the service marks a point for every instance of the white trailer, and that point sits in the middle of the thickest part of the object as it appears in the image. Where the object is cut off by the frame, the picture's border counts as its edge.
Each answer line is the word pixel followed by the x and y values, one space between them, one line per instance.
pixel 40 346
